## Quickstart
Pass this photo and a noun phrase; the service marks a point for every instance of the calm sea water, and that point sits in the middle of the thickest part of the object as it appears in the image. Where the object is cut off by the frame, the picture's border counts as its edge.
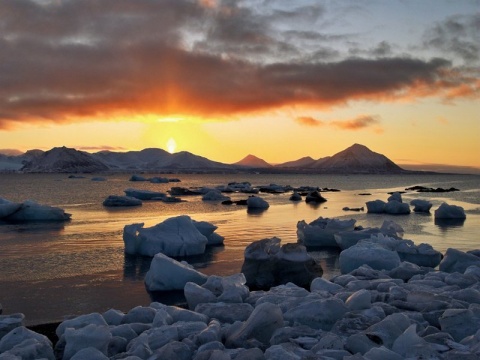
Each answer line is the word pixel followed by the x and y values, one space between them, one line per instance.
pixel 49 270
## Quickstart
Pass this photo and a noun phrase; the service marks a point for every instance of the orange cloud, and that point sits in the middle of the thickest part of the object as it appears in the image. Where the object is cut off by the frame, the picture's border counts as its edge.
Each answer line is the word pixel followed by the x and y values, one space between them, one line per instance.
pixel 309 121
pixel 358 123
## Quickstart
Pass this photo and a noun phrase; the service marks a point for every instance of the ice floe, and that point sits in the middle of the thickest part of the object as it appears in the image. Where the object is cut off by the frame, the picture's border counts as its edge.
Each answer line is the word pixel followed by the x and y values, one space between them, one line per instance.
pixel 144 194
pixel 176 236
pixel 119 201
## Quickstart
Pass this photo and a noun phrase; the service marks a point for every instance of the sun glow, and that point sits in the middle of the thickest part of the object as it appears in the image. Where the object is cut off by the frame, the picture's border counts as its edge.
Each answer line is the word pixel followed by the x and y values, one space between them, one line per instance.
pixel 171 145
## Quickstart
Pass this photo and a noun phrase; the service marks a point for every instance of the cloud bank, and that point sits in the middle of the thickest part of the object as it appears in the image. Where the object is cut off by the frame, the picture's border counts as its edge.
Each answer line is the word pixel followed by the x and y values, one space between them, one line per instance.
pixel 84 60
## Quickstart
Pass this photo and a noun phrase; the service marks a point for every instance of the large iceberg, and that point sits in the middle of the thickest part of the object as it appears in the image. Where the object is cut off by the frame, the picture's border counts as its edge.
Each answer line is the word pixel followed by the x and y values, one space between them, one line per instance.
pixel 29 210
pixel 320 232
pixel 177 236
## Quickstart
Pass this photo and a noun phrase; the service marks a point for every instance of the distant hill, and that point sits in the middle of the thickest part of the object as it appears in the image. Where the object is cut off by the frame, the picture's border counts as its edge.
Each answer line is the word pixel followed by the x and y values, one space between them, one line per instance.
pixel 355 159
pixel 253 162
pixel 67 160
pixel 300 163
pixel 64 160
pixel 132 160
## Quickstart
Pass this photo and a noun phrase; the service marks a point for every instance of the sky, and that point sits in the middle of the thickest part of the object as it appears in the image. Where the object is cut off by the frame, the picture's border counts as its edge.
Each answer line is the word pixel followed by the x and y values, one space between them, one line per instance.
pixel 280 79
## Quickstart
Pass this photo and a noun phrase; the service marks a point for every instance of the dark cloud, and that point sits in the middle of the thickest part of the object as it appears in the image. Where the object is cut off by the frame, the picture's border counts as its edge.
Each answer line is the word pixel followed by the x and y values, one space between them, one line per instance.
pixel 458 35
pixel 88 59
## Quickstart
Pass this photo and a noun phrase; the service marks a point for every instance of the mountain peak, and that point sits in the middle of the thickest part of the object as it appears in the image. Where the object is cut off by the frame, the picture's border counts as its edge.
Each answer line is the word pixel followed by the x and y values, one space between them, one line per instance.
pixel 253 161
pixel 359 158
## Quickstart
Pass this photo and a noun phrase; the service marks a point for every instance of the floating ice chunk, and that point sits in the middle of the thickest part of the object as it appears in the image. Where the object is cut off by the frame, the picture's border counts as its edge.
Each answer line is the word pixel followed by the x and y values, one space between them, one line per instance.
pixel 394 207
pixel 144 194
pixel 135 177
pixel 31 211
pixel 295 197
pixel 176 236
pixel 115 200
pixel 214 195
pixel 7 207
pixel 167 274
pixel 256 202
pixel 320 232
pixel 158 180
pixel 371 254
pixel 395 196
pixel 376 206
pixel 446 211
pixel 315 197
pixel 420 205
pixel 98 178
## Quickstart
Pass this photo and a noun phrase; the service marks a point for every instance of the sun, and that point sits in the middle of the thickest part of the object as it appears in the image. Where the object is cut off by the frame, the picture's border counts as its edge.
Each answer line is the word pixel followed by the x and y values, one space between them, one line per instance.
pixel 171 145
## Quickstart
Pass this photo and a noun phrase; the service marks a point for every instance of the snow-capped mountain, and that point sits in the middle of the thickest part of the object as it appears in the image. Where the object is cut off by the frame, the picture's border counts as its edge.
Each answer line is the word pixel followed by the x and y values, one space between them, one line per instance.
pixel 64 160
pixel 357 158
pixel 252 161
pixel 132 160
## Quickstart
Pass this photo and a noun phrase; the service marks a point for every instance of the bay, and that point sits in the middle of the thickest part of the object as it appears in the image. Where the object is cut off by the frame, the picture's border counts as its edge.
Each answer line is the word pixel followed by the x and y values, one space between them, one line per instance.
pixel 50 270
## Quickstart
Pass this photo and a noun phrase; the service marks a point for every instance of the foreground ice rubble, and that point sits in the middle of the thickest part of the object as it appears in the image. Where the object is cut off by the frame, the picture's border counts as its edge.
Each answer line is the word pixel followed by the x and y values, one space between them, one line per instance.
pixel 176 236
pixel 406 312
